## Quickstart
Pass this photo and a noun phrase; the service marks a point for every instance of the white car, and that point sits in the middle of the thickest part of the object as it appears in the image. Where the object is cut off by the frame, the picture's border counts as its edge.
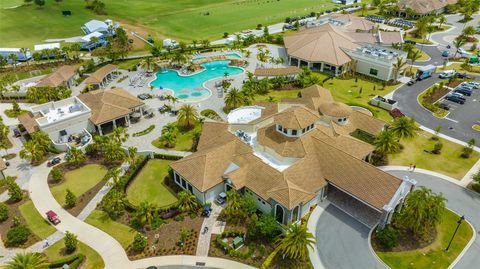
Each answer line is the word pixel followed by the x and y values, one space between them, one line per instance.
pixel 447 74
pixel 461 51
pixel 472 84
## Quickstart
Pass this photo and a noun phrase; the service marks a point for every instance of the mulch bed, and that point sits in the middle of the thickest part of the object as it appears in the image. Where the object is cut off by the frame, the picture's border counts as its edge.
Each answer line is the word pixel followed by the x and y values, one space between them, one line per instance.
pixel 435 96
pixel 7 224
pixel 454 83
pixel 406 242
pixel 166 237
pixel 85 198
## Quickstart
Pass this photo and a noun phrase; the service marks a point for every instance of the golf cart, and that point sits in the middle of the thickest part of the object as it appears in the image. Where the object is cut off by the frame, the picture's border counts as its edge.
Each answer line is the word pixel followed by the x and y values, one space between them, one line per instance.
pixel 206 211
pixel 221 198
pixel 52 217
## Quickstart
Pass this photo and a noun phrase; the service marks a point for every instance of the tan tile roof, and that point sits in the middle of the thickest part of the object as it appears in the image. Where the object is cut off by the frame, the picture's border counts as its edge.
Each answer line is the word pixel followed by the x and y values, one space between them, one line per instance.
pixel 107 105
pixel 335 109
pixel 28 121
pixel 362 121
pixel 282 71
pixel 98 76
pixel 320 44
pixel 293 147
pixel 296 118
pixel 390 37
pixel 269 110
pixel 57 78
pixel 424 6
pixel 354 22
pixel 357 177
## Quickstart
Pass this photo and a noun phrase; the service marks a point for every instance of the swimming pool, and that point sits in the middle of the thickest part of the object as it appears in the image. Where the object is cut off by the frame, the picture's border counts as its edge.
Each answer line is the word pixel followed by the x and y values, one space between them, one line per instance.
pixel 191 87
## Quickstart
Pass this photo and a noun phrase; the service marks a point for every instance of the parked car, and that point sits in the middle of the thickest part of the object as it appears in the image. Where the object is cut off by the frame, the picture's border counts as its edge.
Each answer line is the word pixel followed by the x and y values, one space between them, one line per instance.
pixel 410 42
pixel 462 75
pixel 411 82
pixel 447 74
pixel 461 51
pixel 221 198
pixel 16 132
pixel 466 86
pixel 445 53
pixel 473 84
pixel 444 105
pixel 54 161
pixel 455 98
pixel 52 217
pixel 464 91
pixel 206 211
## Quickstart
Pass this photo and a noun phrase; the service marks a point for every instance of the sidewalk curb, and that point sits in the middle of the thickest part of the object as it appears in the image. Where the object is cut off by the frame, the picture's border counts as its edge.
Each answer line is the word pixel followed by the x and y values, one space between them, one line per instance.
pixel 313 254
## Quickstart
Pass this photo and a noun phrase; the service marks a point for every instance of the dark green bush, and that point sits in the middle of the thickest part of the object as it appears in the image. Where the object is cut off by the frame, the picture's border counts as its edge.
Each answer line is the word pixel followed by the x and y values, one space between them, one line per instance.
pixel 387 238
pixel 139 242
pixel 56 174
pixel 17 235
pixel 3 212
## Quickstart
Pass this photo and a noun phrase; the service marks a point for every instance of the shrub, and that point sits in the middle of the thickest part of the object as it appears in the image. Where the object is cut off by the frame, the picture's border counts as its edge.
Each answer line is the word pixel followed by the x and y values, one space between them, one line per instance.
pixel 387 238
pixel 17 235
pixel 3 212
pixel 71 242
pixel 14 190
pixel 56 174
pixel 139 242
pixel 70 199
pixel 437 148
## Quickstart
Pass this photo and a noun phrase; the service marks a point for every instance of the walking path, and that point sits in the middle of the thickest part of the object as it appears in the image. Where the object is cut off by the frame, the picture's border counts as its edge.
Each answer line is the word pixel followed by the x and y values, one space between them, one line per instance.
pixel 204 238
pixel 109 249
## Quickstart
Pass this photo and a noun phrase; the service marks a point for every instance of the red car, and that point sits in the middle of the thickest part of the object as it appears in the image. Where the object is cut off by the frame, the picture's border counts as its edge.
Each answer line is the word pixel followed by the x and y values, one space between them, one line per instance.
pixel 52 217
pixel 54 161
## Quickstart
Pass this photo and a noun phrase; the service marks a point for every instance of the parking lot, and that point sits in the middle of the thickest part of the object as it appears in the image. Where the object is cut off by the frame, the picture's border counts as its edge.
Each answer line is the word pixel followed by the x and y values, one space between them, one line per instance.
pixel 458 124
pixel 469 112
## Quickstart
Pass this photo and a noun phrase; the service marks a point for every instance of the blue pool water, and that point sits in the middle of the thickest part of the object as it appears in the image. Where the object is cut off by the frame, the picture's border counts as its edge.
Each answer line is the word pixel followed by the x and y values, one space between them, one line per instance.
pixel 185 87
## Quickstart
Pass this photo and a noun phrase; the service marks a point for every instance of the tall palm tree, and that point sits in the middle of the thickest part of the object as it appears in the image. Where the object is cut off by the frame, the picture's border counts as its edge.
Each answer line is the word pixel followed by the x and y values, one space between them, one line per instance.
pixel 145 212
pixel 296 240
pixel 458 43
pixel 115 180
pixel 233 207
pixel 414 56
pixel 13 57
pixel 24 52
pixel 75 156
pixel 364 9
pixel 205 43
pixel 168 139
pixel 194 43
pixel 170 128
pixel 469 31
pixel 386 142
pixel 233 99
pixel 441 20
pixel 404 127
pixel 120 135
pixel 187 116
pixel 397 67
pixel 187 201
pixel 132 155
pixel 27 260
pixel 423 210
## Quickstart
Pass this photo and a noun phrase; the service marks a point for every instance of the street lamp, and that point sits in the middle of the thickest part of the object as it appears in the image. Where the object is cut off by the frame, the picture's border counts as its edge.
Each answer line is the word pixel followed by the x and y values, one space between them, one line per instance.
pixel 462 218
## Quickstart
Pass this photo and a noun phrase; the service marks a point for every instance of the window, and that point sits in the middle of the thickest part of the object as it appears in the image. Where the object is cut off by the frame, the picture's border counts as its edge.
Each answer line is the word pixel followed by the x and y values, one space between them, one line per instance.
pixel 189 187
pixel 340 120
pixel 280 128
pixel 303 130
pixel 176 178
pixel 279 213
pixel 259 199
pixel 285 131
pixel 184 183
pixel 263 202
pixel 373 72
pixel 295 214
pixel 311 126
pixel 294 132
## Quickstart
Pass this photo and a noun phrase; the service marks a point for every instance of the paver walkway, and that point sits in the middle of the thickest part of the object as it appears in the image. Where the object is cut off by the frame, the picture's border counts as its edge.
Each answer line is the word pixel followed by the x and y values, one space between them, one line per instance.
pixel 204 238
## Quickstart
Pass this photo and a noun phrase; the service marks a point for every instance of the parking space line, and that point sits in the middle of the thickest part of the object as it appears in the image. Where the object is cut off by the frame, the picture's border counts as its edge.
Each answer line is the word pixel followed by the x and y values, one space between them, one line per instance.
pixel 456 121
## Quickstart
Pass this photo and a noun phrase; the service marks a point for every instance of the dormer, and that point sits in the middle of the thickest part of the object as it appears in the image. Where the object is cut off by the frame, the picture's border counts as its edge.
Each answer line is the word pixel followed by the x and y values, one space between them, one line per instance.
pixel 335 111
pixel 295 121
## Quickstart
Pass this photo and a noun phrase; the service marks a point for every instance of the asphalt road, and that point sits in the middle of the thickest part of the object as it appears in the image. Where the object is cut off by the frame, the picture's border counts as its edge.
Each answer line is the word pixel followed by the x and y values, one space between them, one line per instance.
pixel 343 242
pixel 457 125
pixel 460 200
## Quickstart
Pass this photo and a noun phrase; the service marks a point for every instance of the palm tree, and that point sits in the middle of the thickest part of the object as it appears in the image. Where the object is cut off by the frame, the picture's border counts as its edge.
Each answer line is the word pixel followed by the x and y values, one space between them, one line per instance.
pixel 194 43
pixel 145 212
pixel 115 180
pixel 13 57
pixel 441 20
pixel 423 210
pixel 168 139
pixel 386 142
pixel 404 127
pixel 414 56
pixel 119 135
pixel 458 43
pixel 397 67
pixel 170 128
pixel 233 99
pixel 205 43
pixel 27 260
pixel 75 156
pixel 364 9
pixel 187 201
pixel 468 31
pixel 132 155
pixel 187 116
pixel 179 58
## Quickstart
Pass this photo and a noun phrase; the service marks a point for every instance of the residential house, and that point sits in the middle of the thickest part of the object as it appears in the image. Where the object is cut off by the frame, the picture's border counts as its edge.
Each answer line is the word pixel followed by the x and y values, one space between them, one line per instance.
pixel 21 57
pixel 63 76
pixel 290 156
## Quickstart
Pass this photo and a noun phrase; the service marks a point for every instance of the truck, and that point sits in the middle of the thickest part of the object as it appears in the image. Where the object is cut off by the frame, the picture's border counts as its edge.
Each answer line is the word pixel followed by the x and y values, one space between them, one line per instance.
pixel 425 72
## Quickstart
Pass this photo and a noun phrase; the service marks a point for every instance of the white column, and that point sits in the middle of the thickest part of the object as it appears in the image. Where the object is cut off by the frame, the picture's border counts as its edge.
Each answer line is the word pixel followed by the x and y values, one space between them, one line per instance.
pixel 114 124
pixel 127 120
pixel 100 129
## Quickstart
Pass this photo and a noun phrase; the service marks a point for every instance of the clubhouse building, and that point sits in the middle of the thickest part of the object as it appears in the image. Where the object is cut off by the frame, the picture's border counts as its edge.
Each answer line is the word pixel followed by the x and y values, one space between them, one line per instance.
pixel 342 42
pixel 290 156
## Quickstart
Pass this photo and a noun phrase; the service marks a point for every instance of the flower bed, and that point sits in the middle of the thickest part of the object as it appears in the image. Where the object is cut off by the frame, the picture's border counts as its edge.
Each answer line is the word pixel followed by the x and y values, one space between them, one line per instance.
pixel 144 132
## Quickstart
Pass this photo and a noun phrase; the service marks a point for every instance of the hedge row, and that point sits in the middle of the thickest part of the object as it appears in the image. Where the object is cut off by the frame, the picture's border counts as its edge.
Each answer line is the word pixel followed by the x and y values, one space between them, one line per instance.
pixel 73 261
pixel 166 157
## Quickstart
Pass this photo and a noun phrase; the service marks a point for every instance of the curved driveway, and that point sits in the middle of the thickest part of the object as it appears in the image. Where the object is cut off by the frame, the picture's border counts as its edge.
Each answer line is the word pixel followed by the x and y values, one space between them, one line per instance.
pixel 343 242
pixel 108 248
pixel 408 104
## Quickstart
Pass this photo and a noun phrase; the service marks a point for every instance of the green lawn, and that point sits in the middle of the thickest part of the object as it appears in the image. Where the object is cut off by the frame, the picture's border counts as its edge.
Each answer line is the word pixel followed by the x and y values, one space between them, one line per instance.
pixel 122 233
pixel 167 18
pixel 148 185
pixel 79 181
pixel 184 140
pixel 35 222
pixel 92 261
pixel 10 3
pixel 276 96
pixel 448 162
pixel 433 256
